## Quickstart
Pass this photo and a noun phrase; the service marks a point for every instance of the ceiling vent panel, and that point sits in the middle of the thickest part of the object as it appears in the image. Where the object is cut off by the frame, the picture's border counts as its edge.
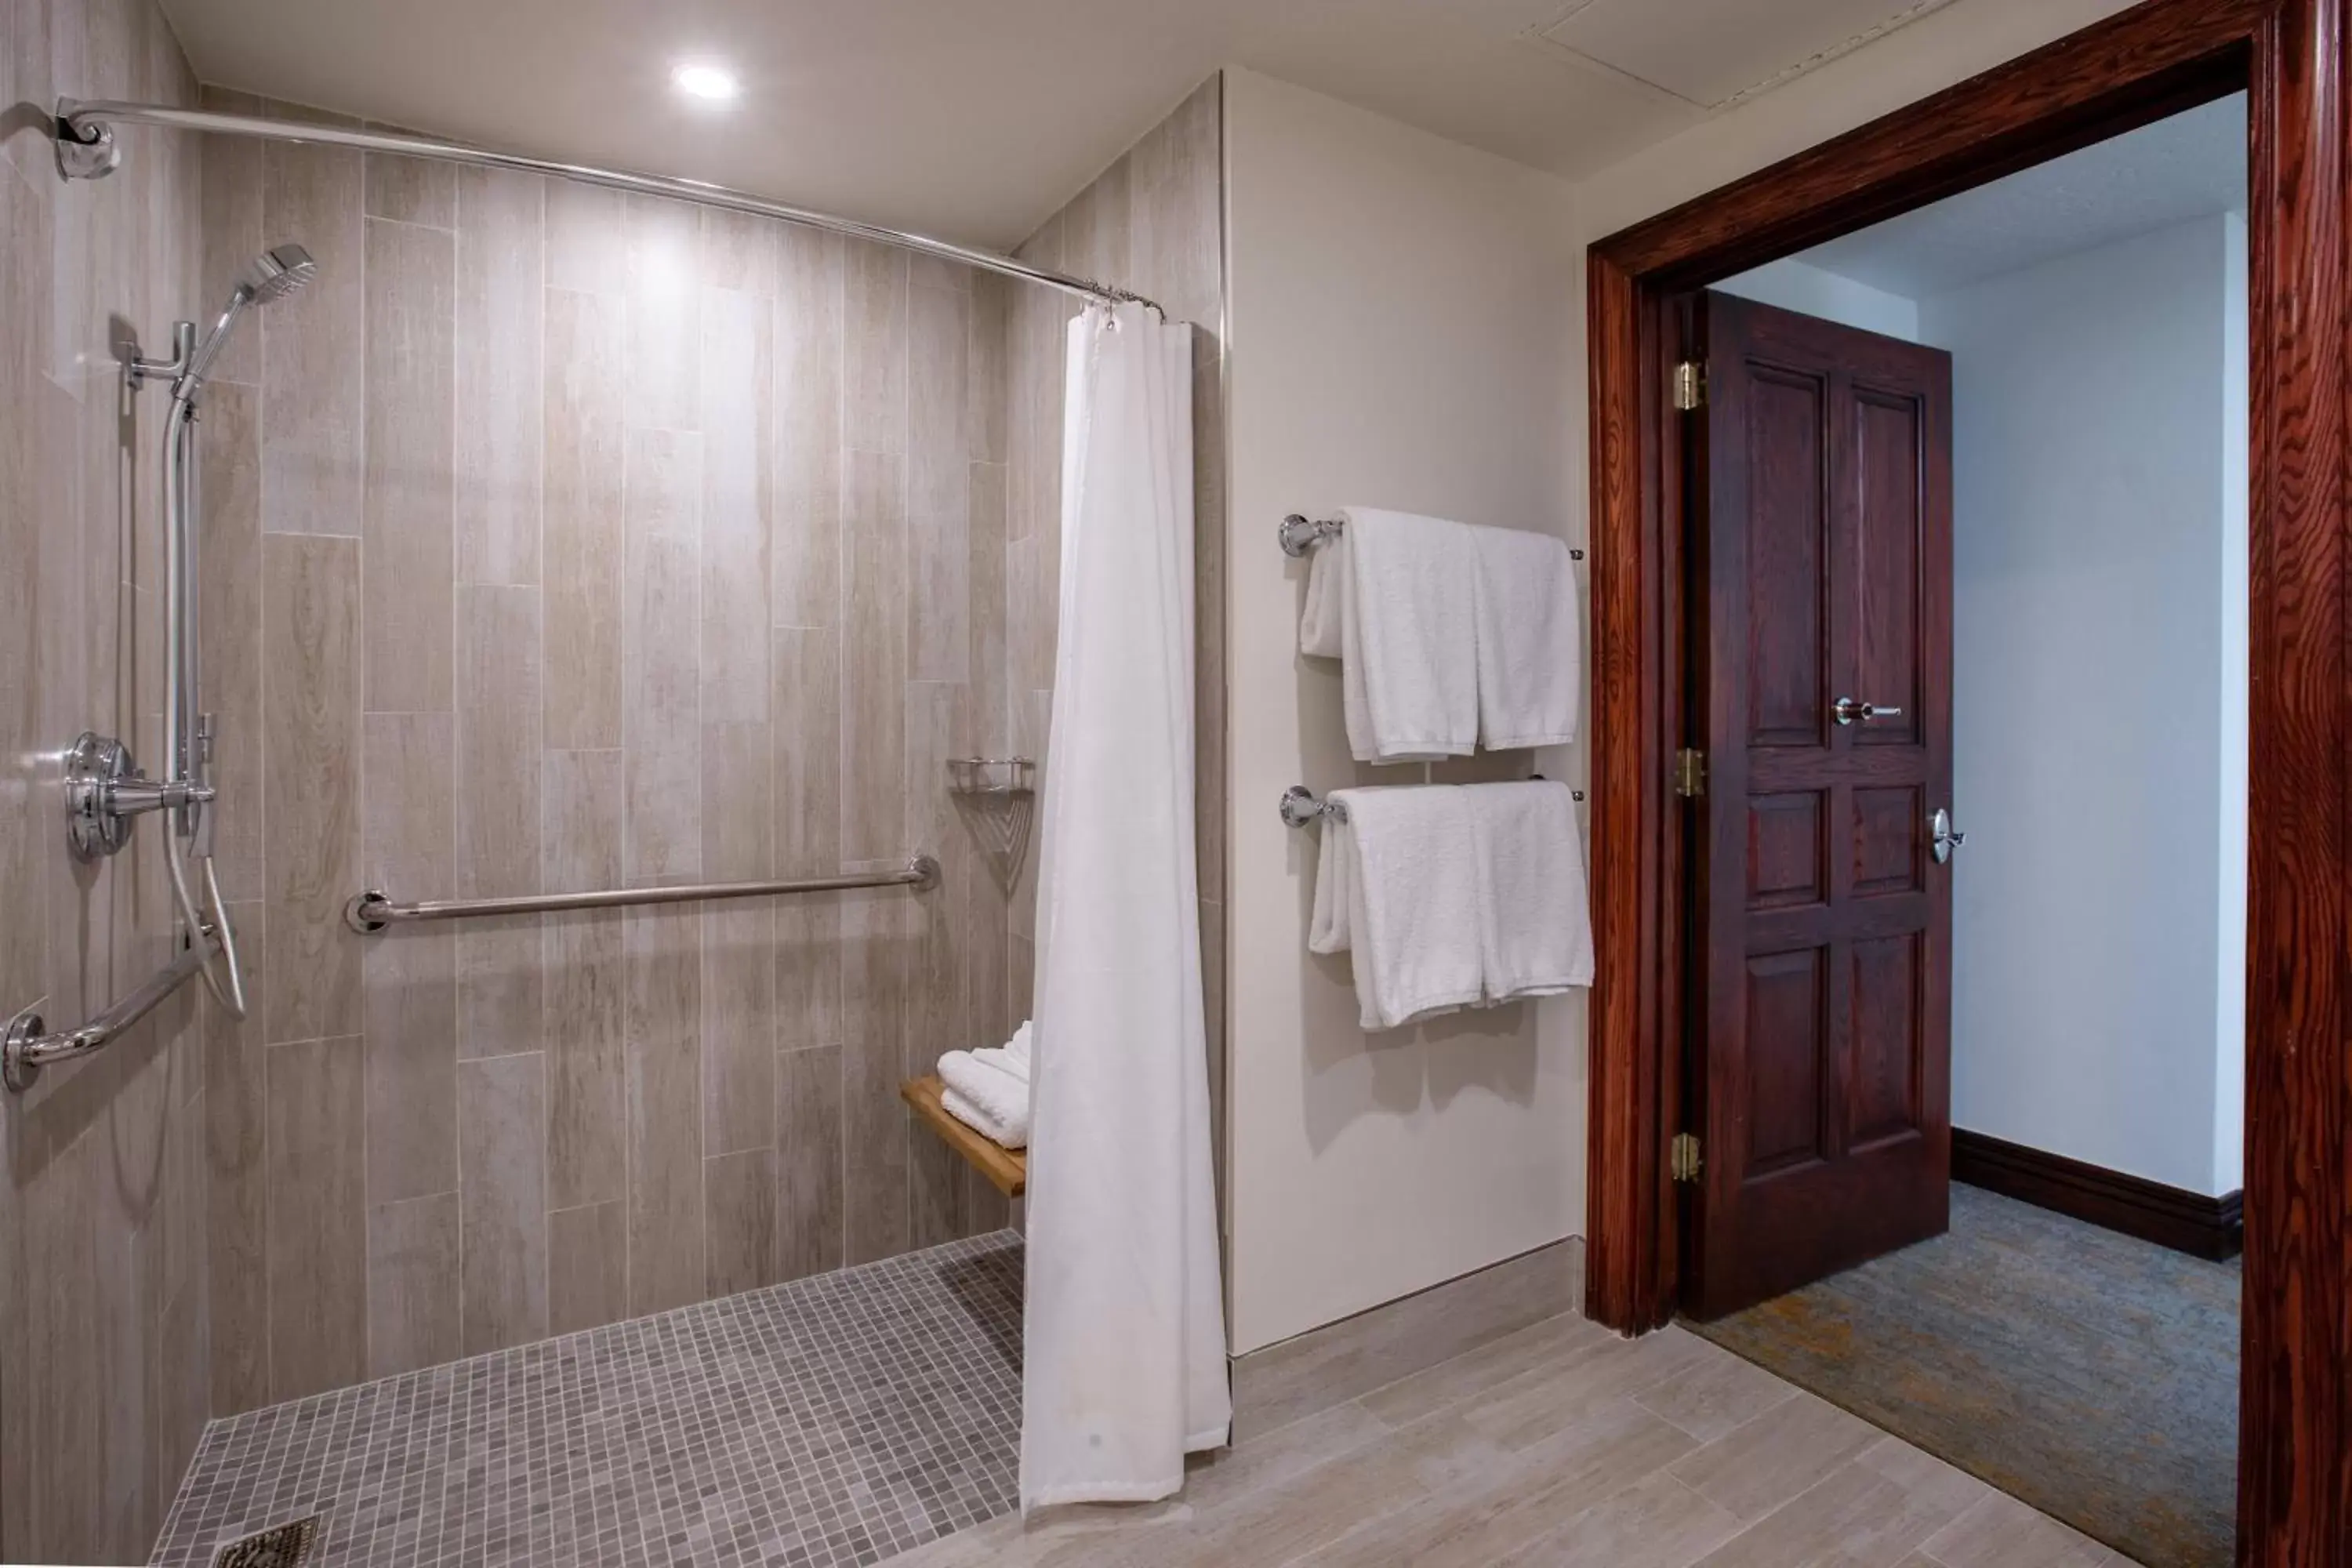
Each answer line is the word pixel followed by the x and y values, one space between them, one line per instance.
pixel 1713 53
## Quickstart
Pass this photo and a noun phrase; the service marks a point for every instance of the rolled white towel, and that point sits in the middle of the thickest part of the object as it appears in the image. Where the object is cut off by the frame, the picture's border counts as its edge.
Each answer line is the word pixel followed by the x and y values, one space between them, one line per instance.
pixel 1013 1057
pixel 1000 1095
pixel 980 1121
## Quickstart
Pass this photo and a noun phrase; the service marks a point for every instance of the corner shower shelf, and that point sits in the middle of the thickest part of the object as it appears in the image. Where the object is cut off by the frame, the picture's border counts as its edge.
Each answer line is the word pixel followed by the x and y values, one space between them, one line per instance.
pixel 1007 1170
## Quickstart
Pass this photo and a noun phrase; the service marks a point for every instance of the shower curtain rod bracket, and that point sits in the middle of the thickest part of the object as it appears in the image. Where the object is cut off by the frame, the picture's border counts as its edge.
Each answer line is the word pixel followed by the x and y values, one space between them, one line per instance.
pixel 84 153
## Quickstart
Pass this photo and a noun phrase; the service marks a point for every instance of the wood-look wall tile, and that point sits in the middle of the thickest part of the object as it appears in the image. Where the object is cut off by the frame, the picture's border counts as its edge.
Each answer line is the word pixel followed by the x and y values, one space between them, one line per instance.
pixel 1097 226
pixel 878 936
pixel 738 944
pixel 409 974
pixel 1179 232
pixel 237 1215
pixel 314 1133
pixel 740 1205
pixel 874 365
pixel 587 1143
pixel 663 947
pixel 659 658
pixel 939 615
pixel 739 251
pixel 988 368
pixel 234 234
pixel 665 270
pixel 587 241
pixel 1032 594
pixel 501 269
pixel 939 272
pixel 587 1267
pixel 805 554
pixel 984 569
pixel 412 1284
pixel 500 992
pixel 311 636
pixel 808 762
pixel 502 1134
pixel 738 426
pixel 229 587
pixel 312 345
pixel 873 659
pixel 583 538
pixel 938 726
pixel 808 1161
pixel 410 501
pixel 411 190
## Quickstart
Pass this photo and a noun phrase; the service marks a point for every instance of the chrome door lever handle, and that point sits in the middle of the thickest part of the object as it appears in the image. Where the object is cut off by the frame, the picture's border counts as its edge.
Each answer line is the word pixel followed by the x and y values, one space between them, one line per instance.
pixel 1846 711
pixel 1942 836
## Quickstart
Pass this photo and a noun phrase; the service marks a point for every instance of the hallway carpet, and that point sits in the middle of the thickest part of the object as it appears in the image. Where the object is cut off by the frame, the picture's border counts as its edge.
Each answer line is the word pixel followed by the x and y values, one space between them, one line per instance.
pixel 2091 1375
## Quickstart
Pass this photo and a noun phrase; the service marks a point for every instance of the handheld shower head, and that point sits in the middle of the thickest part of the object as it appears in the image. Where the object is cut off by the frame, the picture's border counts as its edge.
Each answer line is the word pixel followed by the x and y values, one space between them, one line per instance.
pixel 280 270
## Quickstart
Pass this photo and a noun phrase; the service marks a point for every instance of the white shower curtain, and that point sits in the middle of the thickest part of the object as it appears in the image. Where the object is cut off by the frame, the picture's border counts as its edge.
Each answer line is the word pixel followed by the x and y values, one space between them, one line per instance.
pixel 1124 1344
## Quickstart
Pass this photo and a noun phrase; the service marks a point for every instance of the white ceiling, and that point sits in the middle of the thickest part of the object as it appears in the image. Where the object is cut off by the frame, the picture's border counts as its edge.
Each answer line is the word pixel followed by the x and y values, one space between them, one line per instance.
pixel 976 119
pixel 2189 167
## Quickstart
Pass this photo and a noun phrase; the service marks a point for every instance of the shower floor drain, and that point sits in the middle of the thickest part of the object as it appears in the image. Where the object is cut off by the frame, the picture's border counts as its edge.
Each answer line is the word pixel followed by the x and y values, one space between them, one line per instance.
pixel 284 1546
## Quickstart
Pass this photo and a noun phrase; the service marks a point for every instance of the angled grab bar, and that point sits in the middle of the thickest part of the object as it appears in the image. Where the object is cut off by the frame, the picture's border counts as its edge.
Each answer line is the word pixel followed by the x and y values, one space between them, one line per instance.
pixel 28 1047
pixel 373 910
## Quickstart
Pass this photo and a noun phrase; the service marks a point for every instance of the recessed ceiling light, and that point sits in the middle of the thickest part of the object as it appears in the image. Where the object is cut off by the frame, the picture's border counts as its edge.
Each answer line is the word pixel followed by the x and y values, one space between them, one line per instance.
pixel 712 84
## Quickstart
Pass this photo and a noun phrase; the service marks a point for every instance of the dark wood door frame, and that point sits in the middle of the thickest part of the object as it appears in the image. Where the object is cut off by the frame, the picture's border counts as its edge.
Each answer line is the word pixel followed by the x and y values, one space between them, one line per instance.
pixel 2295 1453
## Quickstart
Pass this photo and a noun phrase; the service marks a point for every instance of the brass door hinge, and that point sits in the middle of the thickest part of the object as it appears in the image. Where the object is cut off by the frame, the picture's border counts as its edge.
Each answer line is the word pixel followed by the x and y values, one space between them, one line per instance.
pixel 1690 773
pixel 1690 385
pixel 1683 1157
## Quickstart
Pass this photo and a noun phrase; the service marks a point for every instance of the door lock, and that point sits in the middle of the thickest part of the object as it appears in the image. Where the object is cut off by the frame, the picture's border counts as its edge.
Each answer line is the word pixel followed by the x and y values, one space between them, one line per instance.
pixel 1846 711
pixel 1942 836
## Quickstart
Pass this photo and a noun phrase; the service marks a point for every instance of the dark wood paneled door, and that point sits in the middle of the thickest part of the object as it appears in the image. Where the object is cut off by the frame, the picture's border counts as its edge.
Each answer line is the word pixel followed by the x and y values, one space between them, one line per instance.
pixel 1820 494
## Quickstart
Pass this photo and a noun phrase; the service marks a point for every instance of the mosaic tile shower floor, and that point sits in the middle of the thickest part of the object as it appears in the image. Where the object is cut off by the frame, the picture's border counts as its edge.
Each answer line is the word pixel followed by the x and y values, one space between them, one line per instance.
pixel 829 1421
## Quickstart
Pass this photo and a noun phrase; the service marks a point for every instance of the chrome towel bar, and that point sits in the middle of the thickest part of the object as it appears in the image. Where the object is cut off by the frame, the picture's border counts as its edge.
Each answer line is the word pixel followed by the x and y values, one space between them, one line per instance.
pixel 1299 534
pixel 27 1047
pixel 374 910
pixel 1300 808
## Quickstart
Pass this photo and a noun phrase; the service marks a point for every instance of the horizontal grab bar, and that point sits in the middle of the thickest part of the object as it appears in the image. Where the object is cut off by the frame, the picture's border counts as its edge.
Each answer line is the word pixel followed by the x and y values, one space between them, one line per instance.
pixel 27 1047
pixel 1299 534
pixel 374 910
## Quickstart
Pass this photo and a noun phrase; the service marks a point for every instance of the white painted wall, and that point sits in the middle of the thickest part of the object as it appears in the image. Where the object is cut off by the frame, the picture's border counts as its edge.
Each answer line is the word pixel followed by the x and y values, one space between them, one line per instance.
pixel 2100 693
pixel 1799 286
pixel 1403 331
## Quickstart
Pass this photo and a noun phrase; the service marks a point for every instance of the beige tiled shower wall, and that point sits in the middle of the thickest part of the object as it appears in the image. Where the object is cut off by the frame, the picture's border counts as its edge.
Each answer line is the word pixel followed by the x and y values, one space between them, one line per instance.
pixel 562 540
pixel 1154 223
pixel 103 1365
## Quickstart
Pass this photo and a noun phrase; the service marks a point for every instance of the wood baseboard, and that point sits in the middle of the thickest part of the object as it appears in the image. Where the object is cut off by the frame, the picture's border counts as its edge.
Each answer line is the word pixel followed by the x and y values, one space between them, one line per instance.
pixel 2169 1217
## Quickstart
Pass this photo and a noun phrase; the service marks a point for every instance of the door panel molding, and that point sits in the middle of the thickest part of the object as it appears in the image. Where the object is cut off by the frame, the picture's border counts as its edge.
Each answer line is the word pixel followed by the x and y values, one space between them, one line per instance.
pixel 2296 1462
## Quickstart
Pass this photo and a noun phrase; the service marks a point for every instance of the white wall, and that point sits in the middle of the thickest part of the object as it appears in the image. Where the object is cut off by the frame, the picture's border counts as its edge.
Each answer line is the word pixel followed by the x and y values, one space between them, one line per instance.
pixel 1799 286
pixel 1403 318
pixel 2099 698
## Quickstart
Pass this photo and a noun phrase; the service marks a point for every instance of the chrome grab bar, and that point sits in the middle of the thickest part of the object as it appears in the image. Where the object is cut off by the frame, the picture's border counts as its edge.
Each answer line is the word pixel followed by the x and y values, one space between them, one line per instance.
pixel 27 1047
pixel 374 910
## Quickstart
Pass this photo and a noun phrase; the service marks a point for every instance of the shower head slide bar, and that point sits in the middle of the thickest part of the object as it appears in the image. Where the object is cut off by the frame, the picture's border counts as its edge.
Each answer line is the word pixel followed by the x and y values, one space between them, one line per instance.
pixel 27 1046
pixel 372 910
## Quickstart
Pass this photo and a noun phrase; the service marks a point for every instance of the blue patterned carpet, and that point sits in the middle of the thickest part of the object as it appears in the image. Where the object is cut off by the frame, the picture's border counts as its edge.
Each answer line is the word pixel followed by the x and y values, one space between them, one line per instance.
pixel 2093 1376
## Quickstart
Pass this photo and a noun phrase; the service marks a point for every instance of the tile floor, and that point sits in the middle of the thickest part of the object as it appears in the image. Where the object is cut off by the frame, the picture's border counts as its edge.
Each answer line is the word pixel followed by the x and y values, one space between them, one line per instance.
pixel 830 1421
pixel 1561 1445
pixel 867 1414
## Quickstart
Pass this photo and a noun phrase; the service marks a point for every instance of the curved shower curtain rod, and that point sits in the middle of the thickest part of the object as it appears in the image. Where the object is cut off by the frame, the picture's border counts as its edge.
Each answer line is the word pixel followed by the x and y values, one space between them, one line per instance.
pixel 87 150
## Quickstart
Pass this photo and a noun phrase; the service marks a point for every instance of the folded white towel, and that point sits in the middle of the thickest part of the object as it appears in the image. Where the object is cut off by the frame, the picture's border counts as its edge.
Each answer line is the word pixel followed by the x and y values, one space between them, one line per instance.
pixel 1528 675
pixel 1409 638
pixel 1322 624
pixel 1002 1097
pixel 1335 887
pixel 1535 926
pixel 1413 902
pixel 998 1132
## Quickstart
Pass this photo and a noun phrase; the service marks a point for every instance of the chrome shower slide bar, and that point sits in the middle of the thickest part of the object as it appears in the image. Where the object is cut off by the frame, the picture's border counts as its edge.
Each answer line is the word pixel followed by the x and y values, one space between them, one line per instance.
pixel 86 149
pixel 374 910
pixel 28 1047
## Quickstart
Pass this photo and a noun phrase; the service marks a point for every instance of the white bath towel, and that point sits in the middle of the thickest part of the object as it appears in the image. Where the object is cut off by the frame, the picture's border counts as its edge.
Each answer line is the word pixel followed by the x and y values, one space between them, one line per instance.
pixel 1529 653
pixel 1412 903
pixel 1534 925
pixel 1335 887
pixel 1409 638
pixel 1003 1134
pixel 1011 1058
pixel 1000 1095
pixel 1322 623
